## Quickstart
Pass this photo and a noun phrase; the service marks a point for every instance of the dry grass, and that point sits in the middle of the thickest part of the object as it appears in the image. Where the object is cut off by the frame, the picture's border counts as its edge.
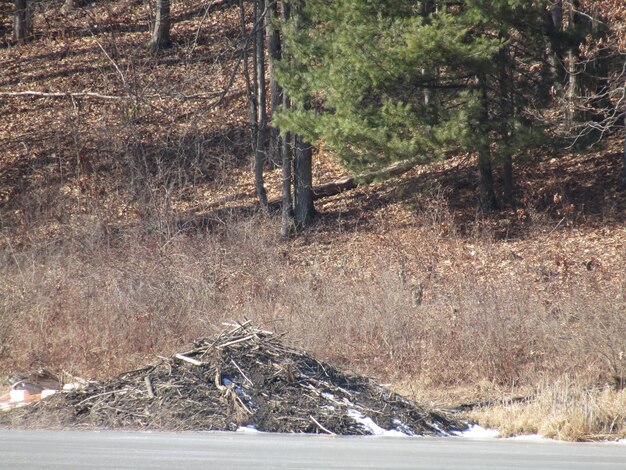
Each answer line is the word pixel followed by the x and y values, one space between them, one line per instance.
pixel 561 410
pixel 101 303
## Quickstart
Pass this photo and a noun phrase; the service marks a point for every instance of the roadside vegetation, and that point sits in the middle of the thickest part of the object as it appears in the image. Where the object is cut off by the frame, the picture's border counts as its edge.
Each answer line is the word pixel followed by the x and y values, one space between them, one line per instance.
pixel 129 227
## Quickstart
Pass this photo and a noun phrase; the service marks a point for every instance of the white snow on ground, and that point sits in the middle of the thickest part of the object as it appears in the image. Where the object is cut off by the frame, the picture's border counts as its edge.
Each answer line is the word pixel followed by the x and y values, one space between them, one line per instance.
pixel 478 432
pixel 248 430
pixel 74 386
pixel 370 425
pixel 438 429
pixel 403 428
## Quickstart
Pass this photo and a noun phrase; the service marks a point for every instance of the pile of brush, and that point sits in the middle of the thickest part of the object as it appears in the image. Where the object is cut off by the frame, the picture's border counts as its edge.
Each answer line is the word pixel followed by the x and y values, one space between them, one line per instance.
pixel 245 376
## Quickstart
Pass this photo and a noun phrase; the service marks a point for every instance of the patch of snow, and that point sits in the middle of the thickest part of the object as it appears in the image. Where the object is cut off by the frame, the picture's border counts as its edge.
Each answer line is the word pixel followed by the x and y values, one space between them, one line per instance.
pixel 369 424
pixel 401 427
pixel 478 432
pixel 248 429
pixel 328 396
pixel 72 386
pixel 436 426
pixel 47 392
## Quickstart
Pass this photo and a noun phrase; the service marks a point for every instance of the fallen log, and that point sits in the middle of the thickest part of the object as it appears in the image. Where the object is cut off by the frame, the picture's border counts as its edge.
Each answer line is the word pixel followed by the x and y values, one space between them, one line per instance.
pixel 336 187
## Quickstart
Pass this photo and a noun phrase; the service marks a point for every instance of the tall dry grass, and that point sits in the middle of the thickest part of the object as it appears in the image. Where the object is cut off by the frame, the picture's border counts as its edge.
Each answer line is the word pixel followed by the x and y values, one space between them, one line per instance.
pixel 563 409
pixel 101 303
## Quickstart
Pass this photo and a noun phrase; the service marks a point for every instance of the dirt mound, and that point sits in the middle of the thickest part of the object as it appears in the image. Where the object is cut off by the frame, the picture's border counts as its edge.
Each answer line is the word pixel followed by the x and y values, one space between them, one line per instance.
pixel 243 377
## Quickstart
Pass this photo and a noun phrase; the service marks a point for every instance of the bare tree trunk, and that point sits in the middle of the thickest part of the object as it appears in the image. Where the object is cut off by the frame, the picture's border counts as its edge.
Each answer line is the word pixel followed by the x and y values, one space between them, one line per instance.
pixel 274 50
pixel 250 88
pixel 488 200
pixel 505 116
pixel 261 118
pixel 21 21
pixel 623 182
pixel 572 114
pixel 426 8
pixel 304 209
pixel 303 184
pixel 70 5
pixel 287 222
pixel 554 73
pixel 161 34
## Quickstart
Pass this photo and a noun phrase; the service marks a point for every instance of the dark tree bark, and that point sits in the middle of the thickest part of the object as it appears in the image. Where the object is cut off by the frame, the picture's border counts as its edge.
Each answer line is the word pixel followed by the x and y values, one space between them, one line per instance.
pixel 554 73
pixel 488 200
pixel 287 219
pixel 161 33
pixel 578 27
pixel 556 13
pixel 274 52
pixel 250 88
pixel 622 185
pixel 287 222
pixel 505 116
pixel 304 209
pixel 261 118
pixel 21 21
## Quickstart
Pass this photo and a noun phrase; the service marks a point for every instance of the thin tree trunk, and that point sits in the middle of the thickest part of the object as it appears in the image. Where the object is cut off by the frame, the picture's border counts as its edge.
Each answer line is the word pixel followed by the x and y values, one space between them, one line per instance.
pixel 21 22
pixel 553 72
pixel 261 118
pixel 426 8
pixel 287 221
pixel 161 34
pixel 623 182
pixel 288 224
pixel 600 95
pixel 70 5
pixel 304 209
pixel 488 200
pixel 505 116
pixel 274 50
pixel 424 11
pixel 572 115
pixel 250 94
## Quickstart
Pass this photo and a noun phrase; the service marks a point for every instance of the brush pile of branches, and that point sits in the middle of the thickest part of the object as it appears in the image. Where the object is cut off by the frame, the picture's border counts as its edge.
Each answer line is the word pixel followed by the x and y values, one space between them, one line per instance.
pixel 244 377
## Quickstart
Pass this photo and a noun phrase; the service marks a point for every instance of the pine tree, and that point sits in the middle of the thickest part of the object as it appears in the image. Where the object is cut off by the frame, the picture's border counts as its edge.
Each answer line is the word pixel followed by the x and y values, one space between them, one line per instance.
pixel 392 80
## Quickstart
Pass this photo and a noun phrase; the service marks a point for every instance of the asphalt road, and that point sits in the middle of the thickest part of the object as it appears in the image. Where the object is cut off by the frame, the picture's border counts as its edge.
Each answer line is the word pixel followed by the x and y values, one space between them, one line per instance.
pixel 136 450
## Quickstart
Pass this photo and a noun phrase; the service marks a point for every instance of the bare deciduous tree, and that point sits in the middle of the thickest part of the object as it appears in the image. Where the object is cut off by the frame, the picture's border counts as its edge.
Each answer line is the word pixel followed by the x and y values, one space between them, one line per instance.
pixel 161 33
pixel 21 21
pixel 261 108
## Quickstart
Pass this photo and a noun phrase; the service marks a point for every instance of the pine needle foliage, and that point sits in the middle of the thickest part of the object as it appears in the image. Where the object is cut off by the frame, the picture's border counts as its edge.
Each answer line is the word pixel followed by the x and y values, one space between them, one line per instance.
pixel 398 80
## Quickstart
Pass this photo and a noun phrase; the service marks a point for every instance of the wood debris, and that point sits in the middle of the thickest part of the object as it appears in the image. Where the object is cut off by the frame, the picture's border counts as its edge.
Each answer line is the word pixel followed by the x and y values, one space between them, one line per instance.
pixel 245 376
